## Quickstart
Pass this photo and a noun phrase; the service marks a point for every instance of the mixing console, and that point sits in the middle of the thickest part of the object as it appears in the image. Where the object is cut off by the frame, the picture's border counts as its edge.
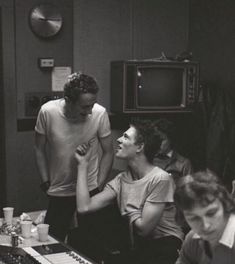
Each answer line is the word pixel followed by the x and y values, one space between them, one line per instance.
pixel 45 254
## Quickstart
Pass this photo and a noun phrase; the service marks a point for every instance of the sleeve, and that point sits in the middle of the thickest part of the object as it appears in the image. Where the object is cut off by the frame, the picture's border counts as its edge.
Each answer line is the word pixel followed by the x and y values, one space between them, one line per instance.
pixel 162 191
pixel 40 126
pixel 188 253
pixel 104 125
pixel 114 184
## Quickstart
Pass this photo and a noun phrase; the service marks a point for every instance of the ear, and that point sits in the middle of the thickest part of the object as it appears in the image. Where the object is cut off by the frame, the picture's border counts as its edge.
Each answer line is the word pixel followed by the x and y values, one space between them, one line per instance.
pixel 67 100
pixel 140 148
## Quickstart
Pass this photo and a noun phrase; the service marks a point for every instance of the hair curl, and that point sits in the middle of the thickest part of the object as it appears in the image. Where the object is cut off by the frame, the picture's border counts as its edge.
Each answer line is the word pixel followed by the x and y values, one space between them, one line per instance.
pixel 79 83
pixel 148 135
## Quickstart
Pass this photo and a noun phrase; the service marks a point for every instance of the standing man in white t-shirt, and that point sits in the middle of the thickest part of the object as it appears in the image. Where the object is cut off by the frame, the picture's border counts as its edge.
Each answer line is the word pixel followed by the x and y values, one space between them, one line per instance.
pixel 61 126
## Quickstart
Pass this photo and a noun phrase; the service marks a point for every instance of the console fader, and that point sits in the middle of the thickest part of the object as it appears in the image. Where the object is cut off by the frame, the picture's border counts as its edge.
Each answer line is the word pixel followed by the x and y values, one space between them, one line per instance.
pixel 45 254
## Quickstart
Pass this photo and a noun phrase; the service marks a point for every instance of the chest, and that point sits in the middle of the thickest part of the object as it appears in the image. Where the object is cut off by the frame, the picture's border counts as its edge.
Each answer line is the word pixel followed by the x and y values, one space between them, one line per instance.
pixel 61 131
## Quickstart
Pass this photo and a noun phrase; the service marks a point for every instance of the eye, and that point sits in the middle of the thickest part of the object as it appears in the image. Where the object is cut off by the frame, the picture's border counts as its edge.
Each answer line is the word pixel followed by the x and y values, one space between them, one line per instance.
pixel 211 213
pixel 192 218
pixel 125 136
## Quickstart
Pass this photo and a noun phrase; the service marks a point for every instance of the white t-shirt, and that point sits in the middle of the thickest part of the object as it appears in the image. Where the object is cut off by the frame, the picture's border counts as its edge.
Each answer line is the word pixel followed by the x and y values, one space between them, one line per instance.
pixel 63 137
pixel 156 187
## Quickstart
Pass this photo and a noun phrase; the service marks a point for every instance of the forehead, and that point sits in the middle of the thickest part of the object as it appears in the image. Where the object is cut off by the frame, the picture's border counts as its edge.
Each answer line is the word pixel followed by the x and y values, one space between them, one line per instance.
pixel 86 99
pixel 130 132
pixel 199 210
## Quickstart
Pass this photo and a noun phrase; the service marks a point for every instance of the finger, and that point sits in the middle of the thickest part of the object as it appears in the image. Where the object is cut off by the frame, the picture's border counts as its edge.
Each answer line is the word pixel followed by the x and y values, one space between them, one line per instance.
pixel 82 149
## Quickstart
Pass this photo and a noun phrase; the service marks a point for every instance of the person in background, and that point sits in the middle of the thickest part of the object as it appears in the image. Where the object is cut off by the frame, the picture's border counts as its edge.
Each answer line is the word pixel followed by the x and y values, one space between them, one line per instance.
pixel 210 212
pixel 61 126
pixel 144 194
pixel 168 158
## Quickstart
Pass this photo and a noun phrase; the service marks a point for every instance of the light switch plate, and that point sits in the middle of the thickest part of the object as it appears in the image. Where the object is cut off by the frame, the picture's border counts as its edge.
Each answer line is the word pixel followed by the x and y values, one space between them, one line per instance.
pixel 46 62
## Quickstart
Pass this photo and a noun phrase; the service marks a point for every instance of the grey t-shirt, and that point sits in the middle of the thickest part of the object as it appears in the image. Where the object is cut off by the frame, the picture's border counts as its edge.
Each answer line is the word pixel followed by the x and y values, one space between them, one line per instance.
pixel 156 187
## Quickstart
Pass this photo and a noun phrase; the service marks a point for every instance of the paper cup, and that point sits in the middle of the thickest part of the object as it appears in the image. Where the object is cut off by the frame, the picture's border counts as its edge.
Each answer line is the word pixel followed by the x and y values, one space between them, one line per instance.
pixel 43 232
pixel 26 228
pixel 8 215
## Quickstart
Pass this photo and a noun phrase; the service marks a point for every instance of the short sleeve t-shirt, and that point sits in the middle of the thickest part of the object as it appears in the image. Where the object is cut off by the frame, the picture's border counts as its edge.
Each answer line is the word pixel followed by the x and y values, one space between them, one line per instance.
pixel 156 187
pixel 63 137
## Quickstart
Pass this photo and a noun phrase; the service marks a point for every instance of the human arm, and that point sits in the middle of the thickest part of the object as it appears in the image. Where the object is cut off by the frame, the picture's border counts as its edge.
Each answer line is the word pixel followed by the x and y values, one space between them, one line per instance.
pixel 40 154
pixel 106 160
pixel 148 218
pixel 159 193
pixel 85 203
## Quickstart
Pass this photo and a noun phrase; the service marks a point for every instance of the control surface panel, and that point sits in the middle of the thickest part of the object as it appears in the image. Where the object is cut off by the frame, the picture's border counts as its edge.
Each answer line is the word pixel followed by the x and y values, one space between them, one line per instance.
pixel 45 254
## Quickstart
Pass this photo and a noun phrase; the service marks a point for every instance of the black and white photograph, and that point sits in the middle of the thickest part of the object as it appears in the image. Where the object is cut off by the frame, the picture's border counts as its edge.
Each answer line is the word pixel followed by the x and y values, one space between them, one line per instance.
pixel 117 131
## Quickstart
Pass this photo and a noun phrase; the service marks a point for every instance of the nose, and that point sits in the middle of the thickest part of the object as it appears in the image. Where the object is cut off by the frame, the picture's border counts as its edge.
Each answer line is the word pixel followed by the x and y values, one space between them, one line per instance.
pixel 119 140
pixel 205 224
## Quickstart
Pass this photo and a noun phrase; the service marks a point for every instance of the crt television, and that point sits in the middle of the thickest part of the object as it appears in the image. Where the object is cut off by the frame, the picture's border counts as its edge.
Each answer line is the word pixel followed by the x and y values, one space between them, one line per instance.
pixel 149 86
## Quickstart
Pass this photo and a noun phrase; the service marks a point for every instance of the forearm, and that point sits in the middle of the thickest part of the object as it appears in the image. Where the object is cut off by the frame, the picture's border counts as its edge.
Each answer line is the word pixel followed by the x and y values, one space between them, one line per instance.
pixel 82 192
pixel 140 226
pixel 105 168
pixel 42 165
pixel 145 221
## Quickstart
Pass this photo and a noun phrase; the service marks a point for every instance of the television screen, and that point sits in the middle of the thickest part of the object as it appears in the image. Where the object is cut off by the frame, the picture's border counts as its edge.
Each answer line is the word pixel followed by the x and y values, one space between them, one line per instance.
pixel 151 86
pixel 162 87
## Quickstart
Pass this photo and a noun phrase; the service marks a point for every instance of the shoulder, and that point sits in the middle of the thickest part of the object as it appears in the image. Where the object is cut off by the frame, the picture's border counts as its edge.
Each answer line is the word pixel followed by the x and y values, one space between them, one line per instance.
pixel 98 109
pixel 51 105
pixel 115 182
pixel 160 174
pixel 158 177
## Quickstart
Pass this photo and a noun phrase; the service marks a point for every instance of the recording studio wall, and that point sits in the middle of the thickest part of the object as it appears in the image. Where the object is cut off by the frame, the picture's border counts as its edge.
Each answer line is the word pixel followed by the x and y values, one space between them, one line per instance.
pixel 93 34
pixel 21 49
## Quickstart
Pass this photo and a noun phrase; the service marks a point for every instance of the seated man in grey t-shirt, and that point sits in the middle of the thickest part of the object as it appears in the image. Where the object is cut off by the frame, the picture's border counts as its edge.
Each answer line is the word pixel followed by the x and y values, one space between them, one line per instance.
pixel 144 194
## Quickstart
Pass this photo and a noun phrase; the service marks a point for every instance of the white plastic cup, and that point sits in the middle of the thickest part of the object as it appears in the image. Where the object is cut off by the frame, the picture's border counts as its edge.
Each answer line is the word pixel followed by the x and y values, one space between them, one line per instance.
pixel 43 232
pixel 8 215
pixel 26 228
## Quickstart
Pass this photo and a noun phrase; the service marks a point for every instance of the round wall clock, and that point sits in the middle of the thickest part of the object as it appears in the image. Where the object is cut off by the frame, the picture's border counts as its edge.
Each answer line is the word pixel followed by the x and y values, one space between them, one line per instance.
pixel 45 20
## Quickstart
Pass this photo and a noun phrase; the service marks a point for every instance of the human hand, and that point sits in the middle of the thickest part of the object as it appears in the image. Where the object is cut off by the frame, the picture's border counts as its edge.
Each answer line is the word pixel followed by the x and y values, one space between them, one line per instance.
pixel 83 153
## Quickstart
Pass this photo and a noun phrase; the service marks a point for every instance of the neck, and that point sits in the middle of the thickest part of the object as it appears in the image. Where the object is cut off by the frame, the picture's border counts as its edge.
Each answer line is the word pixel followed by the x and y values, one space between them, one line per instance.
pixel 139 168
pixel 69 114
